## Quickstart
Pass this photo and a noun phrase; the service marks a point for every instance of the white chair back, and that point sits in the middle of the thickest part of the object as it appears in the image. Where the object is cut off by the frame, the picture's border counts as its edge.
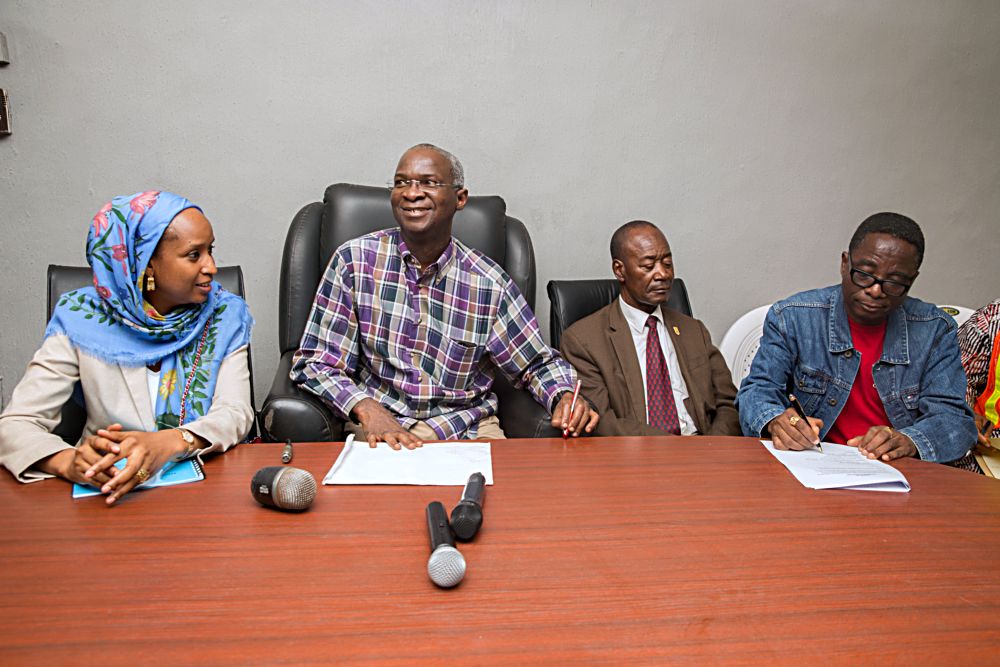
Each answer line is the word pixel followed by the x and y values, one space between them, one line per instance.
pixel 740 343
pixel 958 313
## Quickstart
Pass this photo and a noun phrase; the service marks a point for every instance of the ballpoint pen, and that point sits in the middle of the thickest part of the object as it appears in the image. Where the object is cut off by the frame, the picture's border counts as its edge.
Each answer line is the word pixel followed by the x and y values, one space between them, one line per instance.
pixel 802 415
pixel 572 406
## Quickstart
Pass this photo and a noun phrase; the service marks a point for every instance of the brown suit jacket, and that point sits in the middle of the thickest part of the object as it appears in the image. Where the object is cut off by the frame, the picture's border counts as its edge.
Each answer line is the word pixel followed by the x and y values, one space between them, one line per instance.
pixel 601 350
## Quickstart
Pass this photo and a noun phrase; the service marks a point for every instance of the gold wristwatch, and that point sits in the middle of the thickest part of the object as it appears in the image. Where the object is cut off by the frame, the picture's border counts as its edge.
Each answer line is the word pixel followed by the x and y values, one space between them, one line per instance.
pixel 192 444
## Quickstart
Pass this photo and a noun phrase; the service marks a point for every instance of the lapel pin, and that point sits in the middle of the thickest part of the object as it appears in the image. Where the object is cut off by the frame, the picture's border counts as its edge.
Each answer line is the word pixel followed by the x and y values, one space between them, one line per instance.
pixel 677 332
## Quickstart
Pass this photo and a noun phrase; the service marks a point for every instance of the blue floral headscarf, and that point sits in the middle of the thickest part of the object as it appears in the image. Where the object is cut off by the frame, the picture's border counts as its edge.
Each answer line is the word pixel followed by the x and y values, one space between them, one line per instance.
pixel 112 321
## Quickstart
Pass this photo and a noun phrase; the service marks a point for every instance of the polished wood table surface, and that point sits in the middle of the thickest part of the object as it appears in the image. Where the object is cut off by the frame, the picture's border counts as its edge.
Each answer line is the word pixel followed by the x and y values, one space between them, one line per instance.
pixel 600 550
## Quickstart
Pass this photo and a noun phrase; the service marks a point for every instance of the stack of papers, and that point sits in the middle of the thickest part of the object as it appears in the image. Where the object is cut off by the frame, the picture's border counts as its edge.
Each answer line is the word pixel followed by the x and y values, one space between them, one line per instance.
pixel 434 464
pixel 839 467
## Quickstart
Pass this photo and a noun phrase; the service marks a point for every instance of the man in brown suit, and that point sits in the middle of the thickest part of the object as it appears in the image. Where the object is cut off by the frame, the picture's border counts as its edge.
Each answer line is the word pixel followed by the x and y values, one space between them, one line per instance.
pixel 630 352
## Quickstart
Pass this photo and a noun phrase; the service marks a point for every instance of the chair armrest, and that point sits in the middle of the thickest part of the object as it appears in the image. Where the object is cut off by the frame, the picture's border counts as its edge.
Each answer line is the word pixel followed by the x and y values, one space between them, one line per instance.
pixel 290 413
pixel 519 414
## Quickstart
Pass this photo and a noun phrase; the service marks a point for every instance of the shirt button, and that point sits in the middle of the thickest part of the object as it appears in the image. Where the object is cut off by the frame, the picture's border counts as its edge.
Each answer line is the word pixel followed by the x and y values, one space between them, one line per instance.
pixel 849 354
pixel 832 401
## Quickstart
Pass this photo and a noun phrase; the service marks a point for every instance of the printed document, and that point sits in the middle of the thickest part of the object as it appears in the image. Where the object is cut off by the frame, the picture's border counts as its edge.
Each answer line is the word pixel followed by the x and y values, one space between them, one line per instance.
pixel 434 464
pixel 839 467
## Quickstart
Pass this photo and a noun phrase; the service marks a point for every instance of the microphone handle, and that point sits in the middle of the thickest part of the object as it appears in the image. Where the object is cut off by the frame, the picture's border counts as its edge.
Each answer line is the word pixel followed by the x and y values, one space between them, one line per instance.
pixel 474 488
pixel 437 526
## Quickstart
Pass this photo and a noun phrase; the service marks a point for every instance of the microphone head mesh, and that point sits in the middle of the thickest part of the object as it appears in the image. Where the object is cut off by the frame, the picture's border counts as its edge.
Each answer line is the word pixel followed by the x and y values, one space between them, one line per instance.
pixel 466 519
pixel 446 566
pixel 294 489
pixel 283 487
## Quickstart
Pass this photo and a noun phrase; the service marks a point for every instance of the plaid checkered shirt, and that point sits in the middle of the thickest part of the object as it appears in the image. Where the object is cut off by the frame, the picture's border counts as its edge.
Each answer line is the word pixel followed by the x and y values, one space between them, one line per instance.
pixel 422 341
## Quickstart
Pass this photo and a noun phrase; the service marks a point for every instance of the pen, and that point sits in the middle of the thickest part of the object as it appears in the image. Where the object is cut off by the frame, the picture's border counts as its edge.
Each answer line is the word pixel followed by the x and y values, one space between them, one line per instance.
pixel 802 414
pixel 572 406
pixel 286 453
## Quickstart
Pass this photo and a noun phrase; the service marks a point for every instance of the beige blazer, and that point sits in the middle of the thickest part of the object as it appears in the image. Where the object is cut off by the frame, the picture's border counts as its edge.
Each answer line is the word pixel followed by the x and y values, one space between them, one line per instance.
pixel 113 394
pixel 601 350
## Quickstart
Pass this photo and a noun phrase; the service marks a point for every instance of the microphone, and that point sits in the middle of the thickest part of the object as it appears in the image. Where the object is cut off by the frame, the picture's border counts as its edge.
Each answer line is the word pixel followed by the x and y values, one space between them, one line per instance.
pixel 467 516
pixel 446 566
pixel 285 488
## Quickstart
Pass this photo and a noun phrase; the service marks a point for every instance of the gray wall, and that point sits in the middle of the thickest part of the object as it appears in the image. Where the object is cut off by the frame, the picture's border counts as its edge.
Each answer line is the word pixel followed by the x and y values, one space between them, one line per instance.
pixel 757 133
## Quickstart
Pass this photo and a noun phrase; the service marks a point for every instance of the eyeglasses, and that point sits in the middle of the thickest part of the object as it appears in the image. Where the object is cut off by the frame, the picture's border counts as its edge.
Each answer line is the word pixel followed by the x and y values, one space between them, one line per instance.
pixel 423 184
pixel 865 279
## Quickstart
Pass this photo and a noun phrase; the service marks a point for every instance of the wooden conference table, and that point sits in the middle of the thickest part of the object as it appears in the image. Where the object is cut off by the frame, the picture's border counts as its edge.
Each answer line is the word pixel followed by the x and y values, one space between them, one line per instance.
pixel 614 550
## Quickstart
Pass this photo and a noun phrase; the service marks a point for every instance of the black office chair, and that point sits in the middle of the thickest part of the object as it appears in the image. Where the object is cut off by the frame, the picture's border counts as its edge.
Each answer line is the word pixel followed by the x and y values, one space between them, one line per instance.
pixel 347 212
pixel 62 279
pixel 571 300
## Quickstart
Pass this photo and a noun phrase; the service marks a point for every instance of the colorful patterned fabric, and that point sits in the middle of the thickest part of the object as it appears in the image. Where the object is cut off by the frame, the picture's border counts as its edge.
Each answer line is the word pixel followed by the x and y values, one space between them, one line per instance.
pixel 422 341
pixel 979 341
pixel 112 321
pixel 659 394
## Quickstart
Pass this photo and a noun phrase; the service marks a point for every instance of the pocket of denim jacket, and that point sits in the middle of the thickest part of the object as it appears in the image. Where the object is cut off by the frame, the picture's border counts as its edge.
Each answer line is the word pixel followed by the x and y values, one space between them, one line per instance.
pixel 911 397
pixel 810 380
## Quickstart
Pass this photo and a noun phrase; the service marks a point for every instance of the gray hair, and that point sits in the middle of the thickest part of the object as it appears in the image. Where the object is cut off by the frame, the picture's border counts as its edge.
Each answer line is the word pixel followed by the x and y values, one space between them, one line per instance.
pixel 457 172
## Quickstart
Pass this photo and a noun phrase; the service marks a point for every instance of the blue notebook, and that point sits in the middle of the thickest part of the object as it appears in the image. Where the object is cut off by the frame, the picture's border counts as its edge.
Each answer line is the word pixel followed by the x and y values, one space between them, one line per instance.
pixel 170 474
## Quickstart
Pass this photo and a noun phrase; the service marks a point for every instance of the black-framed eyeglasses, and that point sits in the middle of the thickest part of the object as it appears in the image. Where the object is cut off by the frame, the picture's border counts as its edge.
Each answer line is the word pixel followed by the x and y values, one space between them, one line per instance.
pixel 423 184
pixel 865 279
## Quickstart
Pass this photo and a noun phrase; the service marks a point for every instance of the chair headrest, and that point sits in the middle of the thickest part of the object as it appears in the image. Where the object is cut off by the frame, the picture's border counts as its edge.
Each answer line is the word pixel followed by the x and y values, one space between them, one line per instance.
pixel 350 211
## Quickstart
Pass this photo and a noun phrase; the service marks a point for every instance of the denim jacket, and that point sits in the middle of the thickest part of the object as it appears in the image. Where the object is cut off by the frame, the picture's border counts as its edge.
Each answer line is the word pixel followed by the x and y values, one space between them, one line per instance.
pixel 806 350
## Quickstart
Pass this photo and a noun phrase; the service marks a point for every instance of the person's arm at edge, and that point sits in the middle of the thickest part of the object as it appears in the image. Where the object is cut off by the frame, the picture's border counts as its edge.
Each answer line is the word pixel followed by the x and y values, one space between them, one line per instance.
pixel 26 438
pixel 975 349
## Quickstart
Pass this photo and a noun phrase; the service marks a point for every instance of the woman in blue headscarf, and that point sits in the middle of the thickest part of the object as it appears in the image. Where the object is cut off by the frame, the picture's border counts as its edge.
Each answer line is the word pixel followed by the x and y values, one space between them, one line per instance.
pixel 158 347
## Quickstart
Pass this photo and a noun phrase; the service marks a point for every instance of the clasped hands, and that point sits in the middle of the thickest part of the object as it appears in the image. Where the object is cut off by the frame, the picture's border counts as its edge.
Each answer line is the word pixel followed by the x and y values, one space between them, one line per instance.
pixel 381 426
pixel 93 462
pixel 789 431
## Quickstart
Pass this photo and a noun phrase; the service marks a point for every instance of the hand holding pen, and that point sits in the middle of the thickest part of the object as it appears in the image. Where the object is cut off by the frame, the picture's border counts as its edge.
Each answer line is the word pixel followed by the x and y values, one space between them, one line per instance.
pixel 573 415
pixel 572 407
pixel 792 429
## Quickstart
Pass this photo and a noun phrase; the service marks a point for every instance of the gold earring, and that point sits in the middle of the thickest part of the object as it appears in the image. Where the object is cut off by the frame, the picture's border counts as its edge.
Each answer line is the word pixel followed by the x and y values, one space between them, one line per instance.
pixel 150 283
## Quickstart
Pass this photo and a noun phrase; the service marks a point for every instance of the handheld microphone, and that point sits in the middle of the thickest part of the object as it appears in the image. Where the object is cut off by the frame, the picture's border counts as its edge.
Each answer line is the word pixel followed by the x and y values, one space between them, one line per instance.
pixel 285 488
pixel 446 566
pixel 467 516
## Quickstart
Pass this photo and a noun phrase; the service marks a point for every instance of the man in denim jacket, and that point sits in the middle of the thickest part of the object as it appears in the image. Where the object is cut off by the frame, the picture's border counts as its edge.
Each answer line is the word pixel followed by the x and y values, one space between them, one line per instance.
pixel 871 367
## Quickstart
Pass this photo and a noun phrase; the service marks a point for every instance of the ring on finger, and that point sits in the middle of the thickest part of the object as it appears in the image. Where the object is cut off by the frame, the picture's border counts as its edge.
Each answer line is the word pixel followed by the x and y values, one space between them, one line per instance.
pixel 142 475
pixel 888 429
pixel 794 419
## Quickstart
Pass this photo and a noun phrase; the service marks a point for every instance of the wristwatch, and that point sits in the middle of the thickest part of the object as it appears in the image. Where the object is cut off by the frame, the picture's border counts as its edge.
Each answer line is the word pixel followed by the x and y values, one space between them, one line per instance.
pixel 192 444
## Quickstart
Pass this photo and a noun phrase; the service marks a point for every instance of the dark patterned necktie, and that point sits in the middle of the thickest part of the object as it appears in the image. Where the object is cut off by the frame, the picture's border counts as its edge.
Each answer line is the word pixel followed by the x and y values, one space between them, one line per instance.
pixel 659 395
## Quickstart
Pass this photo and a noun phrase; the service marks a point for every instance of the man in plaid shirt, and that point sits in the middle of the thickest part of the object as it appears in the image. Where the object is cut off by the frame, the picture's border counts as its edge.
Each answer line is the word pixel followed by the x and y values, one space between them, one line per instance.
pixel 409 324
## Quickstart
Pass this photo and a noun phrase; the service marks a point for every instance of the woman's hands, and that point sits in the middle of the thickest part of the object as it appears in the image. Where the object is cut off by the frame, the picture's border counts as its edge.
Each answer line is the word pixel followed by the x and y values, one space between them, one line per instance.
pixel 146 454
pixel 75 463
